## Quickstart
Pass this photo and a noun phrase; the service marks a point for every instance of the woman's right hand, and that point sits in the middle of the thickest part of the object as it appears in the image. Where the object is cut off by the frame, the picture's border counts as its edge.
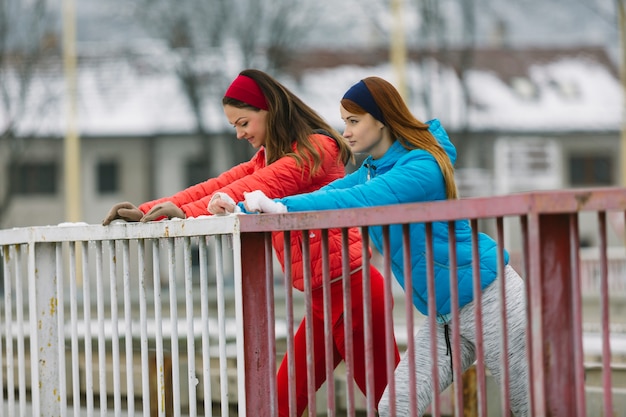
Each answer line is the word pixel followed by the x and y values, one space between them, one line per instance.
pixel 221 203
pixel 123 211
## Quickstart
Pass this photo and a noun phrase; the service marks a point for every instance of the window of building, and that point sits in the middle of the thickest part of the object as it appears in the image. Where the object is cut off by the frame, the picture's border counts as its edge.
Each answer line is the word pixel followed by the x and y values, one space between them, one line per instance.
pixel 525 88
pixel 591 170
pixel 197 171
pixel 107 177
pixel 34 178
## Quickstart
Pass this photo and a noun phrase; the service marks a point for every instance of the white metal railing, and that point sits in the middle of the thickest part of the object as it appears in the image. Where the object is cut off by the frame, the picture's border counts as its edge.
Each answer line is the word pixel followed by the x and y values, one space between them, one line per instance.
pixel 120 319
pixel 591 270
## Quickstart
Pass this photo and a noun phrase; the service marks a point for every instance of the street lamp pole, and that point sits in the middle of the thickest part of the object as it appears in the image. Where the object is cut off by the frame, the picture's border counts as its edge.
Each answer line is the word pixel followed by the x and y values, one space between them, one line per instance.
pixel 398 46
pixel 621 15
pixel 72 140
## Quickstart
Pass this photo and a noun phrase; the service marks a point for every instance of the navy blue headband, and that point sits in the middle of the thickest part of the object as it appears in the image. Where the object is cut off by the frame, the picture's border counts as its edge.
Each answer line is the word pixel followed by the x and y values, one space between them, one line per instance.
pixel 361 95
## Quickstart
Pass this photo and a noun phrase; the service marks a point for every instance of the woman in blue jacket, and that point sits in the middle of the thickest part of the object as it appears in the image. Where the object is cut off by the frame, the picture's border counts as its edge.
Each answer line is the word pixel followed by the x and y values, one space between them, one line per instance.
pixel 410 161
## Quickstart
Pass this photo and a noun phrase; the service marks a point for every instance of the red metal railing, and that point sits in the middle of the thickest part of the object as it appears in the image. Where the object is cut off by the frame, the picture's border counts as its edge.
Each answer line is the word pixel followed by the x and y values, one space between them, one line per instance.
pixel 548 244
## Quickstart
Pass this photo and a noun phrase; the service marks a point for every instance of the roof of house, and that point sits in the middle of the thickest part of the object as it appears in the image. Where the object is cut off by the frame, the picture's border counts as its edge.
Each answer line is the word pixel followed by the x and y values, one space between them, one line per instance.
pixel 531 89
pixel 551 90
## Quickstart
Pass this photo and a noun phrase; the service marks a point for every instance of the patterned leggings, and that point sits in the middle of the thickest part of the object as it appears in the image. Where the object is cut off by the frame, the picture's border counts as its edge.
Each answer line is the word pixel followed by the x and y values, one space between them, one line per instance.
pixel 518 367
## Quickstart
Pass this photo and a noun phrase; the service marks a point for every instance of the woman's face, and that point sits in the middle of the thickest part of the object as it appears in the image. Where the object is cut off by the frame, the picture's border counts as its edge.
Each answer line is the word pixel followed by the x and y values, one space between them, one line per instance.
pixel 365 134
pixel 249 124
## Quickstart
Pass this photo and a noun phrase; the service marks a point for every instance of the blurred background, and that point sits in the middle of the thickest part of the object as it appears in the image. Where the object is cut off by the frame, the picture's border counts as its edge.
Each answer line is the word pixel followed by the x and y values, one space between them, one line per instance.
pixel 120 100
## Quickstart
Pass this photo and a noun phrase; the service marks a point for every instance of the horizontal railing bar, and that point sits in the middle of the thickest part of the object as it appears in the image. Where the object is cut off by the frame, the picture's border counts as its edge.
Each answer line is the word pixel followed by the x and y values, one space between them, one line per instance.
pixel 71 232
pixel 545 202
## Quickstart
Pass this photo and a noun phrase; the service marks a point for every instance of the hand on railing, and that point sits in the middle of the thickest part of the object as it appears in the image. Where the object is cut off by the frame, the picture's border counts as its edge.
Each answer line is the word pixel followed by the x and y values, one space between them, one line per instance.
pixel 222 203
pixel 123 211
pixel 257 201
pixel 166 209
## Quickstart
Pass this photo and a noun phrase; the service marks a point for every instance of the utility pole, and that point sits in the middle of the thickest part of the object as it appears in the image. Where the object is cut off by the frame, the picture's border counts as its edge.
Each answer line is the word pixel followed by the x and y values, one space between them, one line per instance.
pixel 621 15
pixel 398 46
pixel 72 140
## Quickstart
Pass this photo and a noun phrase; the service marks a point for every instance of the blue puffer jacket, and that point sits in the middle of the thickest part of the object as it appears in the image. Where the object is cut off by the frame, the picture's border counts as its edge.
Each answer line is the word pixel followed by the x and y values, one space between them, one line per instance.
pixel 408 176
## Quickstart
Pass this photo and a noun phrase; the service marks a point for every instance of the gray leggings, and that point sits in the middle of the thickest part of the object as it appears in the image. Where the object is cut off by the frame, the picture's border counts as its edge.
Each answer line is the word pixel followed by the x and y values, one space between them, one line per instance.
pixel 518 366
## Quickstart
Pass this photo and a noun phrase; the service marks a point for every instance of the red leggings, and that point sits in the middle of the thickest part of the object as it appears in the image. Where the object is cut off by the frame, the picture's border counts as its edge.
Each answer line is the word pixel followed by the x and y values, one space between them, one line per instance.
pixel 338 335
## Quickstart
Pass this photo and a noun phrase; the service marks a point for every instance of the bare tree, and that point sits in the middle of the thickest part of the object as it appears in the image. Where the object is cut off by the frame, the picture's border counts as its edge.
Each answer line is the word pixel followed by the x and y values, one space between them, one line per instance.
pixel 28 37
pixel 206 40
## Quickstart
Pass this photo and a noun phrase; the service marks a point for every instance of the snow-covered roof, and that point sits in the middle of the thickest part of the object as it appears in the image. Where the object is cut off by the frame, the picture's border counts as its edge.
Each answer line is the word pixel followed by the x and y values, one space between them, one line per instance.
pixel 565 91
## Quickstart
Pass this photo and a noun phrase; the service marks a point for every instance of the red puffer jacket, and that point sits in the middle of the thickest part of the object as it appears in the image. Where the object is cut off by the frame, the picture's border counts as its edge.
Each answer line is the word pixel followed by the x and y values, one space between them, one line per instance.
pixel 279 179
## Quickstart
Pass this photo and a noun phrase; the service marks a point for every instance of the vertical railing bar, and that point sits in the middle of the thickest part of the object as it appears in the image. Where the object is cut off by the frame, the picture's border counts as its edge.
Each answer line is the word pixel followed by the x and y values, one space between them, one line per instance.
pixel 524 228
pixel 204 315
pixel 408 312
pixel 89 390
pixel 115 337
pixel 241 368
pixel 328 340
pixel 288 287
pixel 158 327
pixel 606 335
pixel 504 338
pixel 577 315
pixel 432 317
pixel 19 315
pixel 271 323
pixel 221 320
pixel 535 320
pixel 4 255
pixel 101 334
pixel 191 351
pixel 3 358
pixel 34 335
pixel 171 273
pixel 128 328
pixel 389 336
pixel 478 321
pixel 76 403
pixel 347 319
pixel 60 283
pixel 457 367
pixel 143 326
pixel 8 308
pixel 306 272
pixel 367 321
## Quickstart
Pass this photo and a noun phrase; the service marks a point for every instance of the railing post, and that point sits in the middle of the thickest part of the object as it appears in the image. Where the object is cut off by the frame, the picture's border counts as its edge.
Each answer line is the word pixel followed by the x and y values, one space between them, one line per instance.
pixel 42 270
pixel 558 323
pixel 255 324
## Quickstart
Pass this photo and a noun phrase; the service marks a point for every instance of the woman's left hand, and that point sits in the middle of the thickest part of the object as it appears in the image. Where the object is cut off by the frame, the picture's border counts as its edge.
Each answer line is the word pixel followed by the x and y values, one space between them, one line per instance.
pixel 166 209
pixel 257 201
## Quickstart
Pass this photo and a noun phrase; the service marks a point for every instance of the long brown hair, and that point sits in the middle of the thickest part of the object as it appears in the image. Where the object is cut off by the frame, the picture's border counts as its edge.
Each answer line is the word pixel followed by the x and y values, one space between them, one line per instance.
pixel 405 127
pixel 289 120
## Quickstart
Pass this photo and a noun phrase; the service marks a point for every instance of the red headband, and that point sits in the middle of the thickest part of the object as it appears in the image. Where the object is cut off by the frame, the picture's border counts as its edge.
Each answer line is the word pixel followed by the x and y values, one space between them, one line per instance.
pixel 246 90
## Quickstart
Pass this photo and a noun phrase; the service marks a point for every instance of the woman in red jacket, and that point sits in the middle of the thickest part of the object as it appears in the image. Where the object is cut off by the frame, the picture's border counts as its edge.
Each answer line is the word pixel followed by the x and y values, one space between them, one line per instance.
pixel 298 153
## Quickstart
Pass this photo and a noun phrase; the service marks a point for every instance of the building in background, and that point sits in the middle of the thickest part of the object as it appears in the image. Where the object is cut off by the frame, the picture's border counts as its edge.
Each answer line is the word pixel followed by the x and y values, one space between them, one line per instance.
pixel 522 119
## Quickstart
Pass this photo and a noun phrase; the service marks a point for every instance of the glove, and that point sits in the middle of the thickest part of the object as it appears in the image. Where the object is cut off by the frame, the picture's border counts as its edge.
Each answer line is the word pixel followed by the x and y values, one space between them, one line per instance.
pixel 258 201
pixel 166 209
pixel 222 203
pixel 124 211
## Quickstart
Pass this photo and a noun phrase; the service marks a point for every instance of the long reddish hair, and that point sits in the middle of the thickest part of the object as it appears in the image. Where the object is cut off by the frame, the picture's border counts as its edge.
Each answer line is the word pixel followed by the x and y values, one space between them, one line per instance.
pixel 406 128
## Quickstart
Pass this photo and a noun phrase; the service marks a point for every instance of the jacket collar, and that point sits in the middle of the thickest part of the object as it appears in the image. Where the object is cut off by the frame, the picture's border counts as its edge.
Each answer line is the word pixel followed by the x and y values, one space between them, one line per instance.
pixel 395 152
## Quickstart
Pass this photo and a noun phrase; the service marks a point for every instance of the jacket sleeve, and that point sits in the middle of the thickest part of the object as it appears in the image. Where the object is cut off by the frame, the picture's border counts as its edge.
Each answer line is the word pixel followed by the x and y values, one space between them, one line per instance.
pixel 415 177
pixel 346 182
pixel 194 200
pixel 279 179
